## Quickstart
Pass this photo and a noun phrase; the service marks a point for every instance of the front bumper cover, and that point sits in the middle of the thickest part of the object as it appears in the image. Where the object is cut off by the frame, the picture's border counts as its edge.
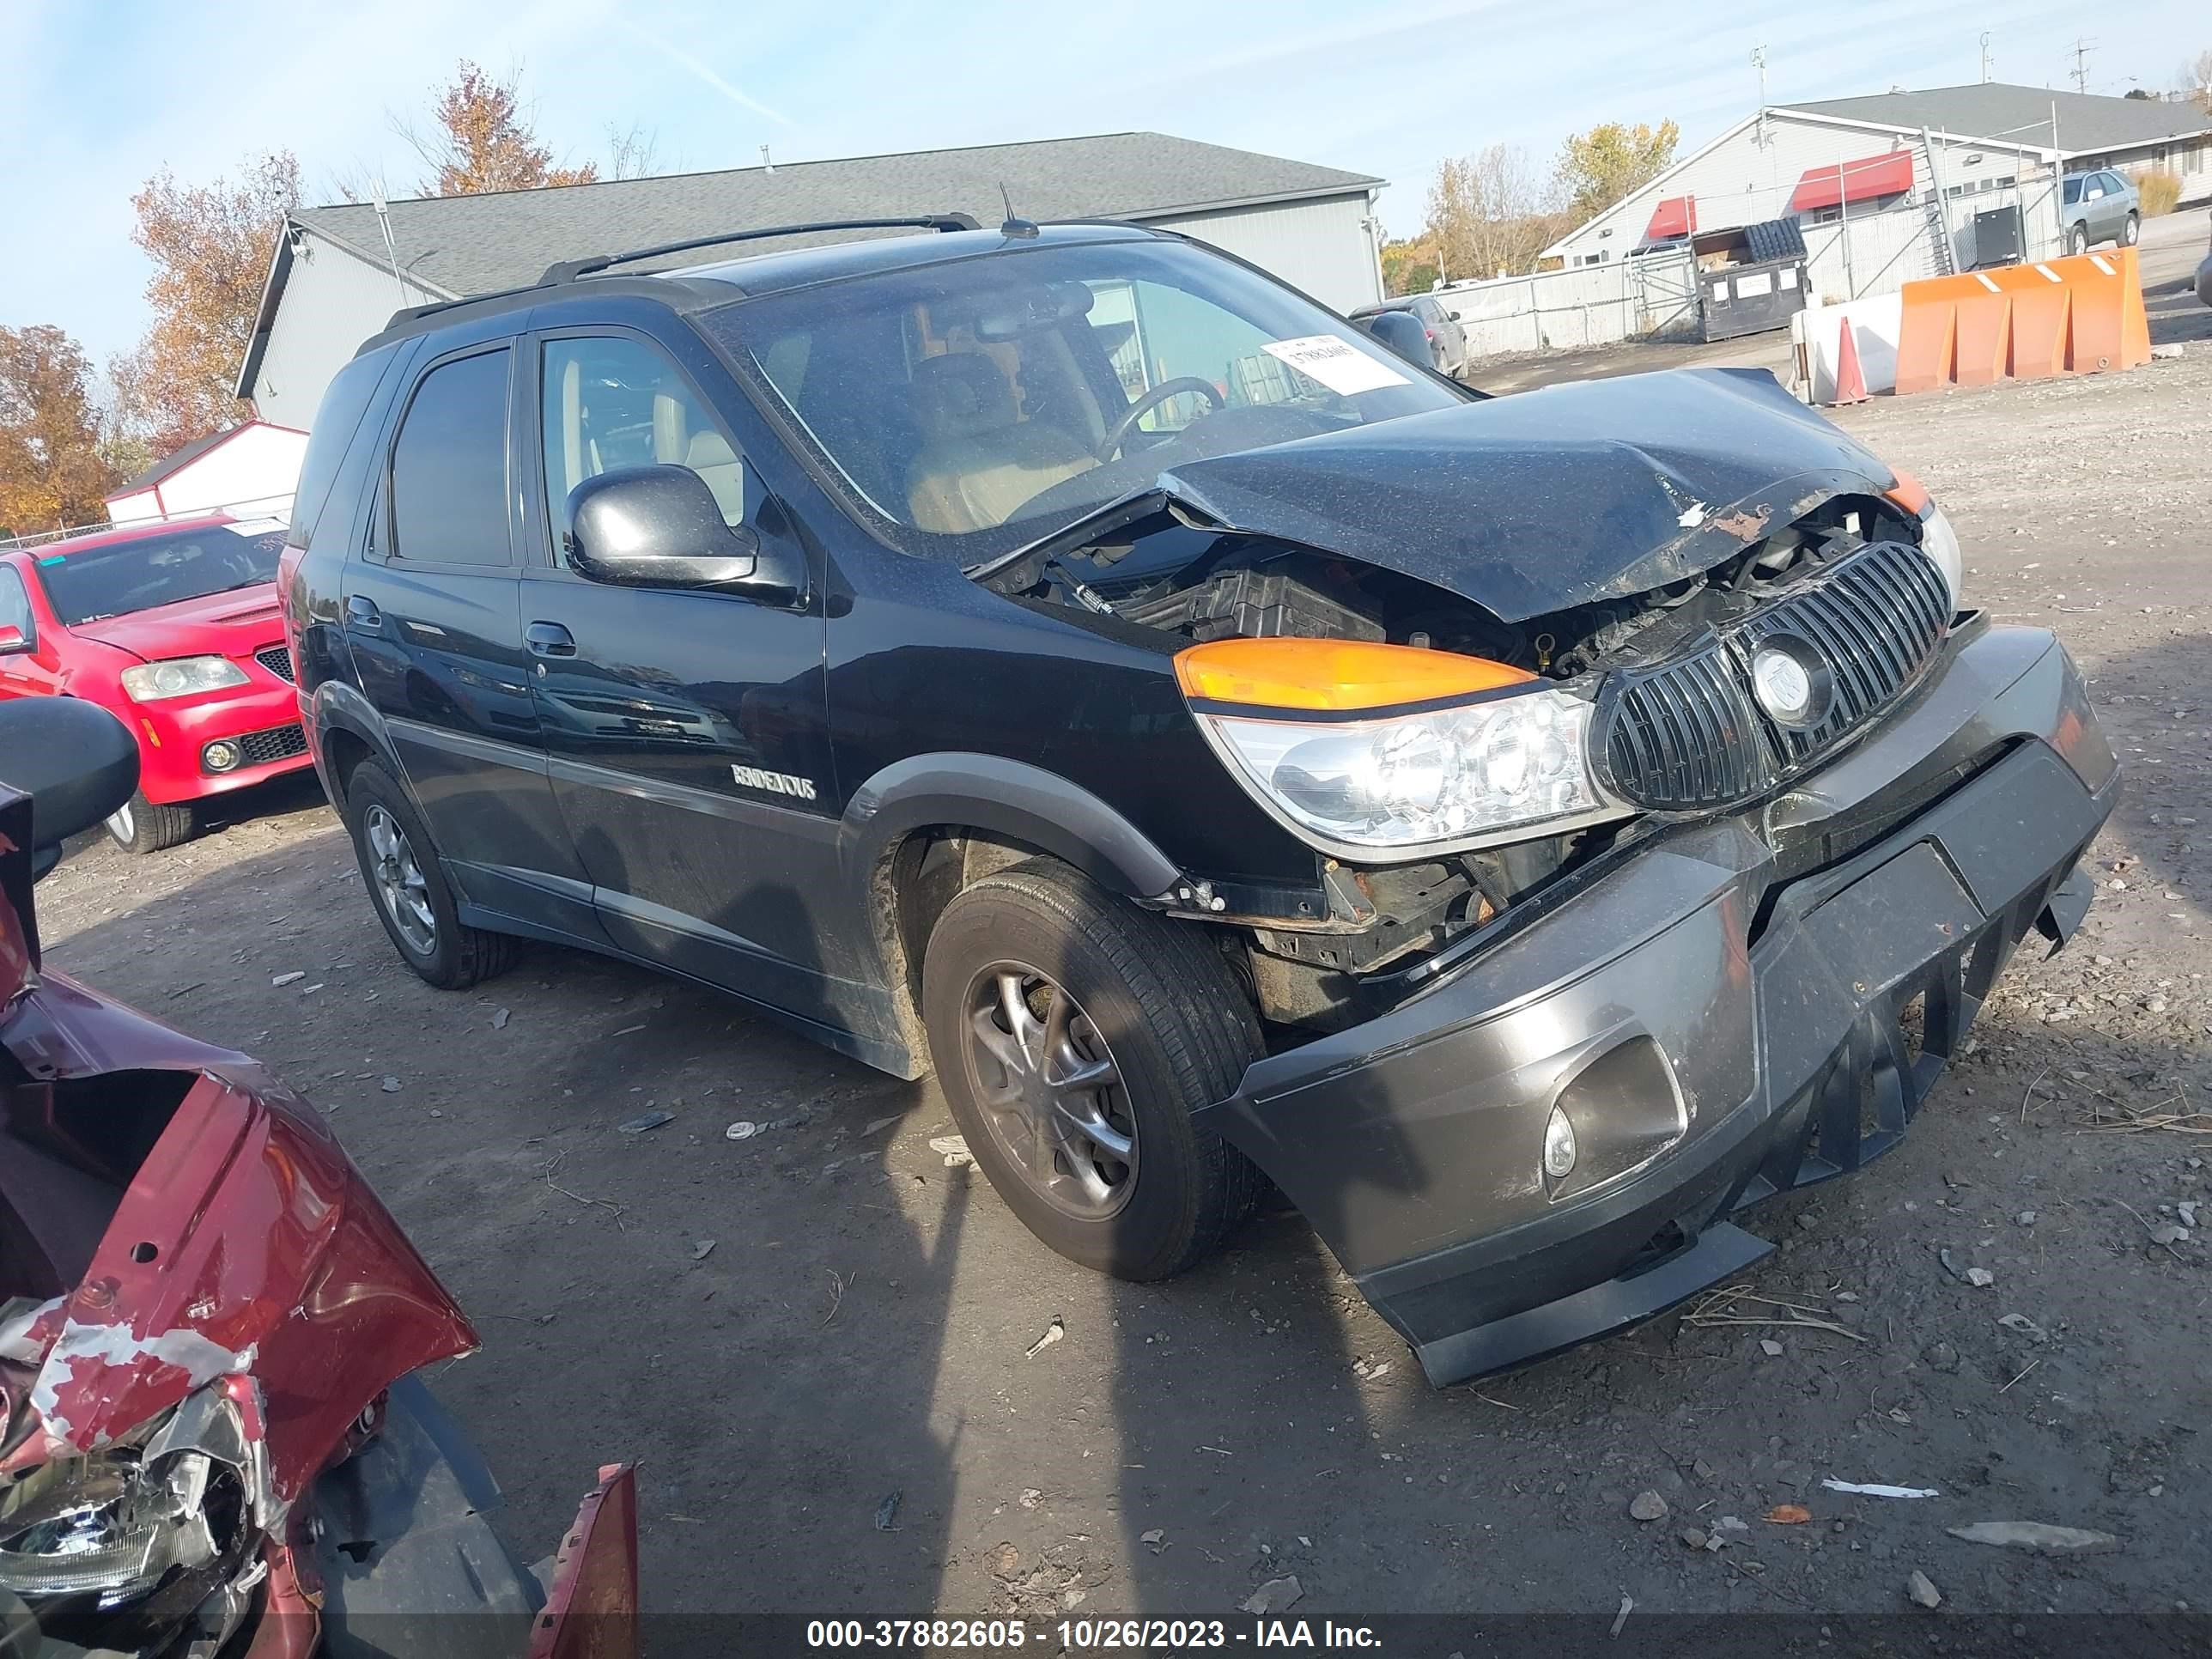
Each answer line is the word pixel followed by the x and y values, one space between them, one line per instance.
pixel 1733 1008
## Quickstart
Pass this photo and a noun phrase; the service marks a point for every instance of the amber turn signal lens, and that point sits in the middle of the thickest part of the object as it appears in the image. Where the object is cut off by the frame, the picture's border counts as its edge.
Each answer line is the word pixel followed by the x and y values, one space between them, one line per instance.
pixel 1333 674
pixel 1908 492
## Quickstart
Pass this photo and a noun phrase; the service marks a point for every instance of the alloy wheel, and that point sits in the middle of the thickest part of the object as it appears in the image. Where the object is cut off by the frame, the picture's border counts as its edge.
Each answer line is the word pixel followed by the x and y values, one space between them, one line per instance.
pixel 123 824
pixel 1054 1097
pixel 399 881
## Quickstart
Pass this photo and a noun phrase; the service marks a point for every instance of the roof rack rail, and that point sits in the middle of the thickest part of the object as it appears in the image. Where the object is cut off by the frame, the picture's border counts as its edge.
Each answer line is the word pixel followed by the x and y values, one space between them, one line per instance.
pixel 569 269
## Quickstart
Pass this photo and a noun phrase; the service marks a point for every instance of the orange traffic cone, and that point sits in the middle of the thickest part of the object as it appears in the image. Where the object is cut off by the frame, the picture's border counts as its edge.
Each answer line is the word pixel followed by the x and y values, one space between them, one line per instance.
pixel 1851 378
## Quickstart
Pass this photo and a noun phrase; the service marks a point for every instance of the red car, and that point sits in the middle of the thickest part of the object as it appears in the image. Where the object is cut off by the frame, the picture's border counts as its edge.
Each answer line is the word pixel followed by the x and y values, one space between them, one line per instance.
pixel 173 628
pixel 214 1436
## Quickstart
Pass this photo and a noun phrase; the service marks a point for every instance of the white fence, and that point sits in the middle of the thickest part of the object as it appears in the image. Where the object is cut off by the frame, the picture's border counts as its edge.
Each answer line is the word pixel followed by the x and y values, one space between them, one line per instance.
pixel 1637 299
pixel 1591 305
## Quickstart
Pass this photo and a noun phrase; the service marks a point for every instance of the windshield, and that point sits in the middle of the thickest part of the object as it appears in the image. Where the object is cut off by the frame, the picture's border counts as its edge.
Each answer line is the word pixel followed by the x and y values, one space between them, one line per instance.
pixel 138 574
pixel 974 407
pixel 2073 190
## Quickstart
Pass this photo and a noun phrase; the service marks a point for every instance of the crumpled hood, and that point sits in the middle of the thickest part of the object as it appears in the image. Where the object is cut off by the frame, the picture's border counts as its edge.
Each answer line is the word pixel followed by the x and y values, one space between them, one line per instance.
pixel 1546 499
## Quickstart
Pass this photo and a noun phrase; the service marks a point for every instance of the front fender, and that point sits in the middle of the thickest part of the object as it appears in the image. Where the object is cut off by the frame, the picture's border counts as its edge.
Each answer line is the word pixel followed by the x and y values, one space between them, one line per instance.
pixel 1007 798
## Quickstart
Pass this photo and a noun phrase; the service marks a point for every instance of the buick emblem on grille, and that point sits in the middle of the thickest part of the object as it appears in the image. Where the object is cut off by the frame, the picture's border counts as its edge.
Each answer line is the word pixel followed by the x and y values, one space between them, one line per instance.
pixel 1791 680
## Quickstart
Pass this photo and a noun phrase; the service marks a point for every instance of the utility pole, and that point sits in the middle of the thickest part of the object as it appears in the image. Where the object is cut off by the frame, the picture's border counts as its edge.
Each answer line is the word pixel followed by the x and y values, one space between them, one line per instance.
pixel 2082 47
pixel 1985 57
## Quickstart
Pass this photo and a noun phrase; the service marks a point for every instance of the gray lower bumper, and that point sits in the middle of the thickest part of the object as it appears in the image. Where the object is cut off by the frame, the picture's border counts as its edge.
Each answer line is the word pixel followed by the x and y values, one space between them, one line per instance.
pixel 1716 1027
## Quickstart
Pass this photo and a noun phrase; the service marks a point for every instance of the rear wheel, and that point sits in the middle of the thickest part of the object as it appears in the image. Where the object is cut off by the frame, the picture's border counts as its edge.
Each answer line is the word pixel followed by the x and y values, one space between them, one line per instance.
pixel 400 866
pixel 1074 1037
pixel 143 826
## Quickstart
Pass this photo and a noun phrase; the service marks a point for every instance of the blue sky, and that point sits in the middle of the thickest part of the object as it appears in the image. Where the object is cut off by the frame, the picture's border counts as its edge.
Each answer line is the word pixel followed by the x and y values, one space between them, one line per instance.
pixel 104 94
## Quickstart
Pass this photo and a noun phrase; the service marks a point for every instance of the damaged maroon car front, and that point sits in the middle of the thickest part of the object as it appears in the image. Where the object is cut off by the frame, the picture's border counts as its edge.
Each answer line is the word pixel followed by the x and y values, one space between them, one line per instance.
pixel 213 1443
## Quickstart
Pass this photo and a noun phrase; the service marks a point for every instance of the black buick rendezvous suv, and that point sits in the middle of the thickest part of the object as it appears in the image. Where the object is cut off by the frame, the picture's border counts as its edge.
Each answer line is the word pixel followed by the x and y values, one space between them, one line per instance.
pixel 1525 831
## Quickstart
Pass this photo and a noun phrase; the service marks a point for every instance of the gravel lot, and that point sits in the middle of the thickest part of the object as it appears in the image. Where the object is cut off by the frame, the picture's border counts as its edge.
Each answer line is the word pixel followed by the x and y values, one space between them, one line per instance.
pixel 861 1326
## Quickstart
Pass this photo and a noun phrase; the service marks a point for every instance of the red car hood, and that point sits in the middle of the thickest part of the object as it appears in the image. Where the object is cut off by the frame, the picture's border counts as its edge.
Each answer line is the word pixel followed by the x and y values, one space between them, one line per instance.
pixel 245 1246
pixel 216 624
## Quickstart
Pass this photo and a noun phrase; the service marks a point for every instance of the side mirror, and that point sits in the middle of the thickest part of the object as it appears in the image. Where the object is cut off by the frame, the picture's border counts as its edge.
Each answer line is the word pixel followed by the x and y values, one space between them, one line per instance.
pixel 75 761
pixel 660 526
pixel 13 640
pixel 1402 331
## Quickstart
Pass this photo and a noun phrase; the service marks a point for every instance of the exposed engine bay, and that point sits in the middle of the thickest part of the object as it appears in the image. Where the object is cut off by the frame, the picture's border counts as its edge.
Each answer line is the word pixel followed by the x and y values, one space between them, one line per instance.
pixel 1169 571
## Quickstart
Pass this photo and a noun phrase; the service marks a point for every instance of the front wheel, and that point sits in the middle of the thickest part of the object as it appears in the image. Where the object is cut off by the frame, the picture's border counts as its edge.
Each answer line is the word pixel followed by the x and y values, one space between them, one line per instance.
pixel 1074 1035
pixel 143 826
pixel 400 866
pixel 2131 231
pixel 2077 239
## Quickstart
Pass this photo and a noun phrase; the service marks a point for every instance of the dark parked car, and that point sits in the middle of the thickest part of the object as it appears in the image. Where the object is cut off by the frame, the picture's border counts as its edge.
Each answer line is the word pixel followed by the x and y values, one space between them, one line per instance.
pixel 2204 280
pixel 1526 830
pixel 1447 340
pixel 2102 206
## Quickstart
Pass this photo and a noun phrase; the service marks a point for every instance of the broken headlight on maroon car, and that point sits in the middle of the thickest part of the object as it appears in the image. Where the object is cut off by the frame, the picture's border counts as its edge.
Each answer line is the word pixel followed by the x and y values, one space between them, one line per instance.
pixel 1367 748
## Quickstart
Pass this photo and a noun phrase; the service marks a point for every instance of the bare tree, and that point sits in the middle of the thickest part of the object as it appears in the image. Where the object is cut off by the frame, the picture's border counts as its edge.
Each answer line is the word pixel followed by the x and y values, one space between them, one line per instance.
pixel 1492 213
pixel 2196 81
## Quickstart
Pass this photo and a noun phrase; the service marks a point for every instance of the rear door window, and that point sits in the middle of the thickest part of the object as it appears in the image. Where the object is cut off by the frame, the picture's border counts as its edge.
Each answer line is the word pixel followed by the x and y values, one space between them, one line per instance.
pixel 448 490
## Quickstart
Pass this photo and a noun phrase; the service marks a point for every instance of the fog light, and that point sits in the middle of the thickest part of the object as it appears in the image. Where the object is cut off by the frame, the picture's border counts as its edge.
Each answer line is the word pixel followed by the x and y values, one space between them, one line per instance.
pixel 1559 1147
pixel 220 756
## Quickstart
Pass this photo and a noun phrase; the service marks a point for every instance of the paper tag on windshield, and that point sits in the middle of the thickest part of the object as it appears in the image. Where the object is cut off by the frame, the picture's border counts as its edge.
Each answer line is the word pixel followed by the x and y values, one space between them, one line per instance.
pixel 1338 364
pixel 255 527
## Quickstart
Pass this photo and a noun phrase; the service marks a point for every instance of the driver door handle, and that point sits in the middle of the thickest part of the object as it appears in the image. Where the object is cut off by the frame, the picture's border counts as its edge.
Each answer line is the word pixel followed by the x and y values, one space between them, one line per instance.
pixel 547 639
pixel 362 612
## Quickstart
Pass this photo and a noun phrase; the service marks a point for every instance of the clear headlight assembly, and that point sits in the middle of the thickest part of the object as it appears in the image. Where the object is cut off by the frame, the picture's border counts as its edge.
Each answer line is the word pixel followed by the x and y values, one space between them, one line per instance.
pixel 180 677
pixel 1365 748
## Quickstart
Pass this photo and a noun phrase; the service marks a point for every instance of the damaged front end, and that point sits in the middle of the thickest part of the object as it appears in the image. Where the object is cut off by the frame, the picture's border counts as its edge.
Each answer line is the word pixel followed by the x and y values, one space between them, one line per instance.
pixel 210 1439
pixel 1672 818
pixel 1464 654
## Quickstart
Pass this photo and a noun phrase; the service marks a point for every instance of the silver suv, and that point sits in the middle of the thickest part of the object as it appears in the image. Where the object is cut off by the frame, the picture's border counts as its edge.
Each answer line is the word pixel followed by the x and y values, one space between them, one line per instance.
pixel 2101 207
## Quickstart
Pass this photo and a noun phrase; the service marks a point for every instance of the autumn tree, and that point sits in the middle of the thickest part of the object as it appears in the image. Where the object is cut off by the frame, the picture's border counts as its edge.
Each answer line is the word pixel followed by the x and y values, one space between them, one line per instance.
pixel 210 246
pixel 53 472
pixel 1409 266
pixel 1492 213
pixel 482 140
pixel 1598 168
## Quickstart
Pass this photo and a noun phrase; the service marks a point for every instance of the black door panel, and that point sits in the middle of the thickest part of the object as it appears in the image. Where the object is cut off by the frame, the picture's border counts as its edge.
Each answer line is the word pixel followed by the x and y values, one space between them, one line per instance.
pixel 436 645
pixel 686 731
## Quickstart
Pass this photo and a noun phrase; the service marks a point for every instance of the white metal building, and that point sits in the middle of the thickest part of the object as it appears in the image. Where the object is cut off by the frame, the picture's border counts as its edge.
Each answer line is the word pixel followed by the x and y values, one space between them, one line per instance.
pixel 1939 156
pixel 248 471
pixel 335 278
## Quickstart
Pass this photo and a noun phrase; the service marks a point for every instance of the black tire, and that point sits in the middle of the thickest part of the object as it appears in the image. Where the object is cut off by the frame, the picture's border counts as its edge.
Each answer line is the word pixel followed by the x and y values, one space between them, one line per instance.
pixel 447 954
pixel 2131 232
pixel 1181 1031
pixel 143 826
pixel 2077 239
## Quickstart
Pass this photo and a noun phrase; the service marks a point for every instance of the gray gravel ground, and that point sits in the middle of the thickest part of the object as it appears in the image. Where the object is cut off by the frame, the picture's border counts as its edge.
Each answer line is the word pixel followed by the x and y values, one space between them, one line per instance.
pixel 861 1326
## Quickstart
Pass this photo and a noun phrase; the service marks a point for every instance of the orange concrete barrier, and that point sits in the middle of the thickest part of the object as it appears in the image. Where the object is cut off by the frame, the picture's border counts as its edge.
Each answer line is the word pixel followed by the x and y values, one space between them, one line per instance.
pixel 2076 315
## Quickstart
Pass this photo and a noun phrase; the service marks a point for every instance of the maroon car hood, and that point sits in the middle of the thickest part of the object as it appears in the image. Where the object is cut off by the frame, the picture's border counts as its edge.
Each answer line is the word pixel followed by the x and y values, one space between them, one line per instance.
pixel 216 624
pixel 245 1247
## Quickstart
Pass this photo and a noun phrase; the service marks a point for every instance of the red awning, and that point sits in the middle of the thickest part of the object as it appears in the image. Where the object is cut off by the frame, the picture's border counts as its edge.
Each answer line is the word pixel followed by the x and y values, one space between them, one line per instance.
pixel 1854 182
pixel 1675 217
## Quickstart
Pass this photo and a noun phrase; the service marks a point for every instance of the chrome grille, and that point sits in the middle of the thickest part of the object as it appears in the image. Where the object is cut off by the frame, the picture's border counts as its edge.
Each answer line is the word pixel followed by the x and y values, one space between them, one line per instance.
pixel 277 659
pixel 1876 619
pixel 1689 734
pixel 1686 736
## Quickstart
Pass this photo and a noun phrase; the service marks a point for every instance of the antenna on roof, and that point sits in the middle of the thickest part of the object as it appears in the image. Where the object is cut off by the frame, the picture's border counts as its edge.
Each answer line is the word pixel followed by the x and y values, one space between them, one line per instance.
pixel 390 248
pixel 1014 227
